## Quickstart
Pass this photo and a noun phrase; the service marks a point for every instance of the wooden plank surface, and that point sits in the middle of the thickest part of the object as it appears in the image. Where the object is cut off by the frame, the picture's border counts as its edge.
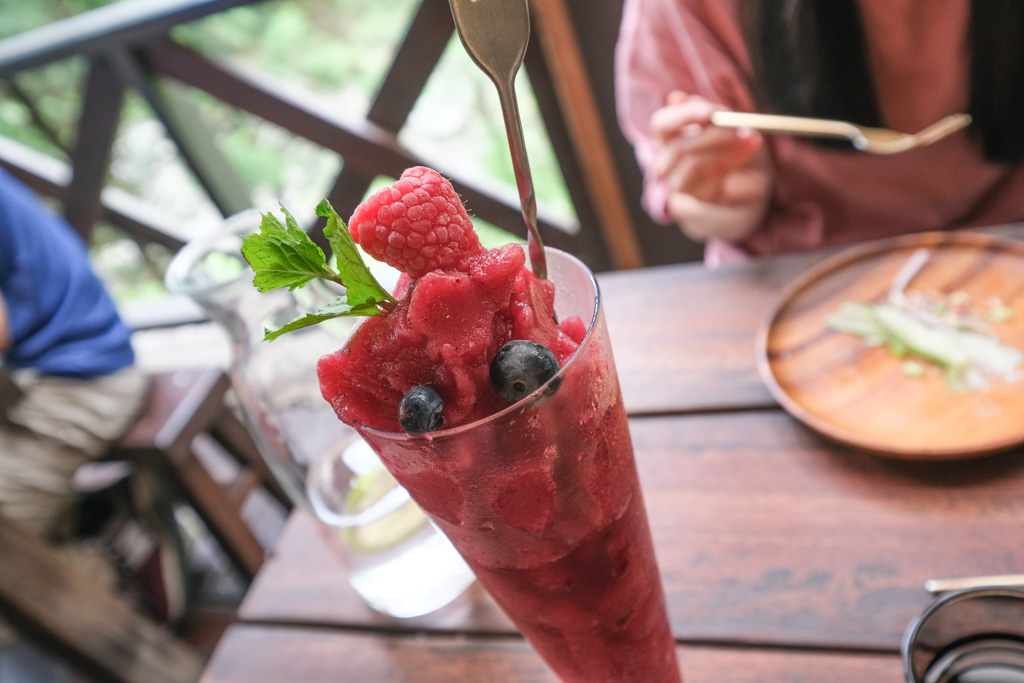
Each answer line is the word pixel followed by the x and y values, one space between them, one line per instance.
pixel 253 654
pixel 768 535
pixel 765 534
pixel 683 335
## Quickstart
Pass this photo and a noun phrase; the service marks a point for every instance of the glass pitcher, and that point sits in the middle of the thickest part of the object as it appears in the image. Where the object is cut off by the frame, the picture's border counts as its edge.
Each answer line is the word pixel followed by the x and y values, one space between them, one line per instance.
pixel 321 463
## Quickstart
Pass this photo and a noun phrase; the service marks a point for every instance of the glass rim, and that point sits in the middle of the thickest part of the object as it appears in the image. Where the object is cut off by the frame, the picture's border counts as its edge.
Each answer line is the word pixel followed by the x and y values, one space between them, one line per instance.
pixel 910 636
pixel 536 396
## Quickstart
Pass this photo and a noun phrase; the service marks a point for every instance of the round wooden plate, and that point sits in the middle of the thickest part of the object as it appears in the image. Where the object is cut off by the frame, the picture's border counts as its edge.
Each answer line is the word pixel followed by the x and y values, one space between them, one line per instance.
pixel 859 395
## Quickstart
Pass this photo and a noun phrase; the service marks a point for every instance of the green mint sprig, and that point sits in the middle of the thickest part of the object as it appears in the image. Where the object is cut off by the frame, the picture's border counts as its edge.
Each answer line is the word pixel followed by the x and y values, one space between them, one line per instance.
pixel 284 256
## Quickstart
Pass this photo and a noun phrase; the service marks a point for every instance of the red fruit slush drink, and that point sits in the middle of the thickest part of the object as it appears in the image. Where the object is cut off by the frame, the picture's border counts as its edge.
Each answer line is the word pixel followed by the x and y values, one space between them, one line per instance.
pixel 542 500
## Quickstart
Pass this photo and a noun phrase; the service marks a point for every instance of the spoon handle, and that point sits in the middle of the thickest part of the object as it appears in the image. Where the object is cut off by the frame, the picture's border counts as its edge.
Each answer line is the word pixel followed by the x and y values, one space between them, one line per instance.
pixel 495 34
pixel 524 179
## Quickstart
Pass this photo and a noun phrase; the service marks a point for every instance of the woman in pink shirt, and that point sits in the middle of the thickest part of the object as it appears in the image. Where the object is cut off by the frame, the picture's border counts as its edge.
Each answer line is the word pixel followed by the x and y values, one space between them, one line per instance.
pixel 901 64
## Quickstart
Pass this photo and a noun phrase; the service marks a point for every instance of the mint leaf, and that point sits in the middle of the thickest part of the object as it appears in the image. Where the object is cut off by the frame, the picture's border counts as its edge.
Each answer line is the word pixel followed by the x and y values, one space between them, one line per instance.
pixel 362 288
pixel 283 256
pixel 335 309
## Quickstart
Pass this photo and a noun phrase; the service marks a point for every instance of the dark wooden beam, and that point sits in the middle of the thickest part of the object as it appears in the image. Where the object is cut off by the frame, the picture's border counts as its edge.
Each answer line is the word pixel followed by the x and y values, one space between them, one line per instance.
pixel 596 23
pixel 49 177
pixel 40 172
pixel 196 145
pixel 362 144
pixel 415 59
pixel 590 248
pixel 121 23
pixel 558 40
pixel 127 45
pixel 97 126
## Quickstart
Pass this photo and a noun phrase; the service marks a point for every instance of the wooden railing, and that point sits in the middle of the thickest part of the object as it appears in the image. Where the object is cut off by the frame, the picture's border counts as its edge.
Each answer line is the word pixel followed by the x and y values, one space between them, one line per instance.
pixel 127 46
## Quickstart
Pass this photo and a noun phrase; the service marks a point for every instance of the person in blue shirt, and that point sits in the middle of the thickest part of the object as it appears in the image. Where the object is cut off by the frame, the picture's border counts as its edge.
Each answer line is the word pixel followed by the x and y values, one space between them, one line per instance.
pixel 69 356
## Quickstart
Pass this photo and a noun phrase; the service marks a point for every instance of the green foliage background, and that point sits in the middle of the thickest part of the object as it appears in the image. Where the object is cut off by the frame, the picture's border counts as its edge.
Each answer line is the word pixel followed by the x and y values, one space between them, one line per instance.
pixel 338 49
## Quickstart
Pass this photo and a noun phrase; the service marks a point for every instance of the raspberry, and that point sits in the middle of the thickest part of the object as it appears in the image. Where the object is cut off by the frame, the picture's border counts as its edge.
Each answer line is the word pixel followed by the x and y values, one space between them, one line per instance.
pixel 417 225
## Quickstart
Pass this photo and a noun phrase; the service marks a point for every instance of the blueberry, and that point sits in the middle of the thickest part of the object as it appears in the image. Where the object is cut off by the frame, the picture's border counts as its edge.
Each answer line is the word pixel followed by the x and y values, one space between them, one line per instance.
pixel 520 368
pixel 421 410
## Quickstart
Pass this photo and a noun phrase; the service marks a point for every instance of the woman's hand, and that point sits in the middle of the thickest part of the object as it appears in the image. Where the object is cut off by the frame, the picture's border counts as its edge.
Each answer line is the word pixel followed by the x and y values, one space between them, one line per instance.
pixel 718 178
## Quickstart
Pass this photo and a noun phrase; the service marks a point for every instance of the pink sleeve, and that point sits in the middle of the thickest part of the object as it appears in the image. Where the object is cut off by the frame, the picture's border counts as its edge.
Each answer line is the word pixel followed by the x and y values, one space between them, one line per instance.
pixel 695 46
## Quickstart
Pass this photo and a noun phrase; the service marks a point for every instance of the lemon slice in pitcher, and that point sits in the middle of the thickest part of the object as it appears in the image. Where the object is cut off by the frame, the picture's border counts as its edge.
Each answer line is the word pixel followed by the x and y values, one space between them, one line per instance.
pixel 391 528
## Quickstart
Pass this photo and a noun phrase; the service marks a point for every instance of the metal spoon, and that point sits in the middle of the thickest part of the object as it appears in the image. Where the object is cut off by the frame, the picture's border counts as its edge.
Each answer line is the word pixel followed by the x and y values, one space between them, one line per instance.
pixel 495 34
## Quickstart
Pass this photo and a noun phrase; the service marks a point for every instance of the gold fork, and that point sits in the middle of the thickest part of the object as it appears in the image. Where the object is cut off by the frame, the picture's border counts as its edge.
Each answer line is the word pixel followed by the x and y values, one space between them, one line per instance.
pixel 871 140
pixel 945 585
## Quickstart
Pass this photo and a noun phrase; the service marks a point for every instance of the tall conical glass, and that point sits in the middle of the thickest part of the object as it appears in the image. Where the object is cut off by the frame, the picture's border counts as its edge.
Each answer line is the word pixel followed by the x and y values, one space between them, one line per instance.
pixel 543 502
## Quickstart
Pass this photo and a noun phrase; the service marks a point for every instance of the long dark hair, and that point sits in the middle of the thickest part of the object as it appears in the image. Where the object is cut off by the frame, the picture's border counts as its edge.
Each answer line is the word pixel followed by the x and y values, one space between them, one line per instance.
pixel 809 59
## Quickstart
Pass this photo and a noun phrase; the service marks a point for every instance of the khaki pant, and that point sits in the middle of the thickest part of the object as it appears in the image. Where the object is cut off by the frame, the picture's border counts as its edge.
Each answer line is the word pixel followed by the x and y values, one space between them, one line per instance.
pixel 58 425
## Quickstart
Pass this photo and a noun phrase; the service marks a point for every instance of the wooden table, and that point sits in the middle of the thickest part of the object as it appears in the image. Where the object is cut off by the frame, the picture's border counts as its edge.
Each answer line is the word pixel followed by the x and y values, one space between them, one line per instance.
pixel 785 557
